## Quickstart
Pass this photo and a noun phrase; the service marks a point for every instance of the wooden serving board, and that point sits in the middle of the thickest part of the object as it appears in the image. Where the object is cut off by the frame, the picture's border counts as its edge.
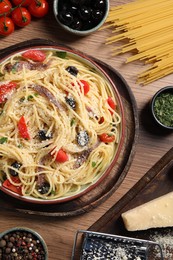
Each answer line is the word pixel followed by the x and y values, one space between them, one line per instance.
pixel 109 185
pixel 156 182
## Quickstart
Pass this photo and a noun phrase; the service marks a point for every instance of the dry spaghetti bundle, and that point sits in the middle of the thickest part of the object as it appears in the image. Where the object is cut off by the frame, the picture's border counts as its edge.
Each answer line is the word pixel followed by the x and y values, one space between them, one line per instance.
pixel 148 26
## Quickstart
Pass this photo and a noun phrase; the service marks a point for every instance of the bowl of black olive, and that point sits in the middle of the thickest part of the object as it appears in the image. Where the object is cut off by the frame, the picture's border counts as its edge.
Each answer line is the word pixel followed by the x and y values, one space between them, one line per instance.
pixel 162 107
pixel 81 17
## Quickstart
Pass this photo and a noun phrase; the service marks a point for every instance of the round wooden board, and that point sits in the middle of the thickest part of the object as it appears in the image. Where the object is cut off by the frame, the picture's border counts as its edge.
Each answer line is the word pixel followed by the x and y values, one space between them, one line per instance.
pixel 110 184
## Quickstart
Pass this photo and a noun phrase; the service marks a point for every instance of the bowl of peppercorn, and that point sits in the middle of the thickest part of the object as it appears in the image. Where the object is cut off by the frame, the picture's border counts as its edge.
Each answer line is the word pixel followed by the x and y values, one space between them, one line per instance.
pixel 162 107
pixel 81 17
pixel 22 243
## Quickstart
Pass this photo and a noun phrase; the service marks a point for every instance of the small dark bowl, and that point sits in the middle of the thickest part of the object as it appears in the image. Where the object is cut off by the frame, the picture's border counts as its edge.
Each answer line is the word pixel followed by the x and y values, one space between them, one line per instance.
pixel 24 241
pixel 79 32
pixel 168 89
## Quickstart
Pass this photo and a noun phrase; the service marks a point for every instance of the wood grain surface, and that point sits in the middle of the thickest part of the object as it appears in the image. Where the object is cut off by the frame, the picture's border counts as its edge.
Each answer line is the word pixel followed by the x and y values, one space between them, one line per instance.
pixel 153 143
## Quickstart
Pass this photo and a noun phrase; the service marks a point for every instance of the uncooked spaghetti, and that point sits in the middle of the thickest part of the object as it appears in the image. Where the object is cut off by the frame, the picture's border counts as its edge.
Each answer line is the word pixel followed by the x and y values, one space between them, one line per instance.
pixel 147 26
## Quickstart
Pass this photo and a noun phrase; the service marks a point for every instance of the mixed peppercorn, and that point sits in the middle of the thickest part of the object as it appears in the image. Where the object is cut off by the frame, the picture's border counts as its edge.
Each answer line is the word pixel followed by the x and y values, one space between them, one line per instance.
pixel 21 245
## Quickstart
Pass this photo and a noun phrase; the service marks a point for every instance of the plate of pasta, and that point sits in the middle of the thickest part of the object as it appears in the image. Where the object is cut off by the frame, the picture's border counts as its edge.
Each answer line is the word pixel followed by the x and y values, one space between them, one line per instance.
pixel 62 124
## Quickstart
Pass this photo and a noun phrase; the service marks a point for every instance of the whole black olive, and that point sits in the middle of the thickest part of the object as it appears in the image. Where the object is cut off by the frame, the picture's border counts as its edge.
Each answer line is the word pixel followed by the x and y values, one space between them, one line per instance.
pixel 76 24
pixel 44 188
pixel 15 165
pixel 99 4
pixel 73 10
pixel 87 25
pixel 85 13
pixel 65 17
pixel 42 134
pixel 72 70
pixel 71 102
pixel 97 16
pixel 63 5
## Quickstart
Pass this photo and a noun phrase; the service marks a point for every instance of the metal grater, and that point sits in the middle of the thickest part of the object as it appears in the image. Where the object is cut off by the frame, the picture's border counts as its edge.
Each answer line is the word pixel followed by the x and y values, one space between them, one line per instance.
pixel 101 246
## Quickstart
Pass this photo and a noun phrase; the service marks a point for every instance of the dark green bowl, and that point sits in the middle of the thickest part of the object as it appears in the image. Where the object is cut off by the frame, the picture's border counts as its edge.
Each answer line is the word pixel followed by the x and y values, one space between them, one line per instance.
pixel 161 108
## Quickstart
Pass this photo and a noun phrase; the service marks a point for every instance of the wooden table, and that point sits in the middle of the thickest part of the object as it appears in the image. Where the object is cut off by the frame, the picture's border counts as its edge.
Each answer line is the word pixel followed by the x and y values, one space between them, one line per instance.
pixel 59 232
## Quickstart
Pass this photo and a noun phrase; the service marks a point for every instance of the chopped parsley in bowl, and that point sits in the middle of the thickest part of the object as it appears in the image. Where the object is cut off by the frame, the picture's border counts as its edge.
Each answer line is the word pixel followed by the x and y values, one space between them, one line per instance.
pixel 162 107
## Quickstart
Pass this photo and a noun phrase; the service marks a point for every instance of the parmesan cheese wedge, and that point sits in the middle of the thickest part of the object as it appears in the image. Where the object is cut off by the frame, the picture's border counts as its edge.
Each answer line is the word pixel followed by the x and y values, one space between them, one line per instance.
pixel 153 214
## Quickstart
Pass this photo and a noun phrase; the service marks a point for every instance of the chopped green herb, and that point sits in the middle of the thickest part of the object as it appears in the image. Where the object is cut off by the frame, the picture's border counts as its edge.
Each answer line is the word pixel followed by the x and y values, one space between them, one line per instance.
pixel 1 75
pixel 19 146
pixel 163 108
pixel 13 70
pixel 1 112
pixel 53 192
pixel 22 99
pixel 3 140
pixel 61 54
pixel 30 97
pixel 93 164
pixel 72 122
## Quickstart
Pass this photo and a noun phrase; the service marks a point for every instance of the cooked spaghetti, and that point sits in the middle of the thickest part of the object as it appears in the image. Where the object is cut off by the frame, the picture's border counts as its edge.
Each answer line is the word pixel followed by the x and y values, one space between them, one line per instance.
pixel 145 26
pixel 59 124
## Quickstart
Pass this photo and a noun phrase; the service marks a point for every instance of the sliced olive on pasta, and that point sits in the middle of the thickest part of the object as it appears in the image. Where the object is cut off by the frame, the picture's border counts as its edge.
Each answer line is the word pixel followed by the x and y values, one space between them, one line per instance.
pixel 15 166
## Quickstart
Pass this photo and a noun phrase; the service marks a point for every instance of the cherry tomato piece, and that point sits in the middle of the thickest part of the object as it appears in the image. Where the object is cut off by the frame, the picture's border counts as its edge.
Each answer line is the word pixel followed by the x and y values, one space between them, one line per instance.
pixel 8 185
pixel 38 8
pixel 112 104
pixel 22 2
pixel 21 17
pixel 5 7
pixel 85 86
pixel 5 90
pixel 107 138
pixel 23 129
pixel 61 156
pixel 35 55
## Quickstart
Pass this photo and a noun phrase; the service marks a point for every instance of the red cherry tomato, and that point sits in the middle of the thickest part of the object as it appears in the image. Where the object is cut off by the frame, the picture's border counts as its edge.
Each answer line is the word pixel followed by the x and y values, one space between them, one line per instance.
pixel 5 90
pixel 22 2
pixel 23 129
pixel 5 6
pixel 61 156
pixel 107 138
pixel 6 26
pixel 21 17
pixel 38 8
pixel 8 185
pixel 35 55
pixel 85 86
pixel 112 104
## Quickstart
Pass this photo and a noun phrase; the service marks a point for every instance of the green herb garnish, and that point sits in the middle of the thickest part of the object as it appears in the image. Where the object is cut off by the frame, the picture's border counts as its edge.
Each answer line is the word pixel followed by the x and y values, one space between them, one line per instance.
pixel 3 140
pixel 163 108
pixel 93 164
pixel 30 97
pixel 61 54
pixel 72 122
pixel 22 99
